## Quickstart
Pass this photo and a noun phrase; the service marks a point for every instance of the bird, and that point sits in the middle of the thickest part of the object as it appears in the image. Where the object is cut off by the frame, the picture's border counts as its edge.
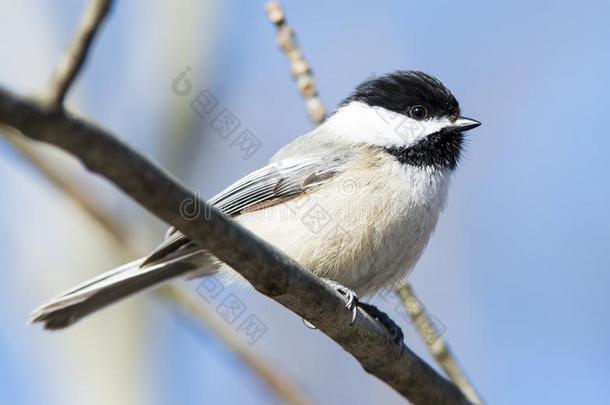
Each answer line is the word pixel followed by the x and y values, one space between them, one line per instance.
pixel 353 201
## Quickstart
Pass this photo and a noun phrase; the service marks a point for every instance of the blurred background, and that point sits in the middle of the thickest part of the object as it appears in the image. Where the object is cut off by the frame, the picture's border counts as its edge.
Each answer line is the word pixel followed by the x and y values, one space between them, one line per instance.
pixel 516 275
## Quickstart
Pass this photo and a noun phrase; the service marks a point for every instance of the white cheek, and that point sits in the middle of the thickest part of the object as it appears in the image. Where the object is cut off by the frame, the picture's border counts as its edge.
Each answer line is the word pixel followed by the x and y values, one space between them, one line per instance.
pixel 360 123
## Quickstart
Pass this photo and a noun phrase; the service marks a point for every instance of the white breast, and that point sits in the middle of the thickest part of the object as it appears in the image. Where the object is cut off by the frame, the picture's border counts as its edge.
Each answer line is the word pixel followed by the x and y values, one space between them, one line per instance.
pixel 365 228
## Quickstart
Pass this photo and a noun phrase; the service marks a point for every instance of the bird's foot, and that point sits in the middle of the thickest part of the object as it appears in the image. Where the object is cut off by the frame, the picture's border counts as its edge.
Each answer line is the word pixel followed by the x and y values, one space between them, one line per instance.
pixel 352 303
pixel 350 297
pixel 396 335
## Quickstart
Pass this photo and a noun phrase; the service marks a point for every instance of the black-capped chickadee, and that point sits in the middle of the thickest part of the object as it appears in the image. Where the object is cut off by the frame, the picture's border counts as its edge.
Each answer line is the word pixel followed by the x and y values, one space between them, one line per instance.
pixel 353 201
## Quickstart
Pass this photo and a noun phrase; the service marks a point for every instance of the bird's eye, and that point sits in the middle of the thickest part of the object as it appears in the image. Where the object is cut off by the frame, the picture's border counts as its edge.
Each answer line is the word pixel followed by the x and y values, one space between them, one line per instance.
pixel 418 112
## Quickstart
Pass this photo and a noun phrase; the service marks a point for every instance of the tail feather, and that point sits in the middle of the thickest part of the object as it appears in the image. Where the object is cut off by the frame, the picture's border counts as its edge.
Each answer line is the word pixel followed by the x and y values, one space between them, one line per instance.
pixel 106 289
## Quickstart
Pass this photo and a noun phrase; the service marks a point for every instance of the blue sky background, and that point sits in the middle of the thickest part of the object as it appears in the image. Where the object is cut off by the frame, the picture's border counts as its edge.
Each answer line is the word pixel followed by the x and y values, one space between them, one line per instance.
pixel 517 272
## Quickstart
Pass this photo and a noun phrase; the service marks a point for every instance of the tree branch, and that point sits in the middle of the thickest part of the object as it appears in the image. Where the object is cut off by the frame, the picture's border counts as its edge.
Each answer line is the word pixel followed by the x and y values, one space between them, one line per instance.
pixel 75 57
pixel 301 69
pixel 268 270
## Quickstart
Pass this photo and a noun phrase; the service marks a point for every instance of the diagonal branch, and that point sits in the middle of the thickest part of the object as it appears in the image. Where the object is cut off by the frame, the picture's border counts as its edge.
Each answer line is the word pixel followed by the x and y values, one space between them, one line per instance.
pixel 75 57
pixel 268 270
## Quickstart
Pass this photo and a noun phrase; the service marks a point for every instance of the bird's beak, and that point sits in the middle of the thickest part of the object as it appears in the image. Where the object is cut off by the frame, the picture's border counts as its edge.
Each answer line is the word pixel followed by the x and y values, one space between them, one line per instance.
pixel 463 124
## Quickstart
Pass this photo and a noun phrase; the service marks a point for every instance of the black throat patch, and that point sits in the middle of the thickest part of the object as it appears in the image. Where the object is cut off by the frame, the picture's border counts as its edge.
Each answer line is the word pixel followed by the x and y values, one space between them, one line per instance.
pixel 440 150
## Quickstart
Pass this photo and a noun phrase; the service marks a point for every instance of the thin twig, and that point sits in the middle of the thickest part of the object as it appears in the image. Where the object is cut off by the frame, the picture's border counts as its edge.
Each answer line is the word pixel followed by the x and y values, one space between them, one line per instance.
pixel 270 271
pixel 75 57
pixel 301 69
pixel 437 346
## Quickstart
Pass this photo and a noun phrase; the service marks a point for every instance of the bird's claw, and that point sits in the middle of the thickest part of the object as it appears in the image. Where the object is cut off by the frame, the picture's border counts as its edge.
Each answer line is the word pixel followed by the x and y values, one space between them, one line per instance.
pixel 351 298
pixel 352 303
pixel 349 295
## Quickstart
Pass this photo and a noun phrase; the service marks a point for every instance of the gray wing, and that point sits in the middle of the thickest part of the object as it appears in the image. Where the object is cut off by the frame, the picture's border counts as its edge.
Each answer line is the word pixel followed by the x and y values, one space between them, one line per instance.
pixel 276 181
pixel 268 186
